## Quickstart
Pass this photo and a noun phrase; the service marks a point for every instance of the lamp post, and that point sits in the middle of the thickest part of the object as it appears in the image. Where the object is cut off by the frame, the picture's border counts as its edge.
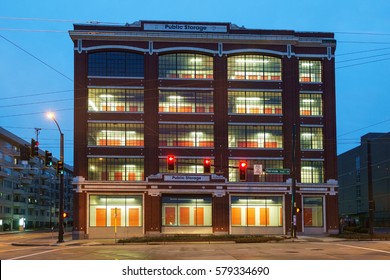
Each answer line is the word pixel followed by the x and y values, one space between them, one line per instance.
pixel 61 174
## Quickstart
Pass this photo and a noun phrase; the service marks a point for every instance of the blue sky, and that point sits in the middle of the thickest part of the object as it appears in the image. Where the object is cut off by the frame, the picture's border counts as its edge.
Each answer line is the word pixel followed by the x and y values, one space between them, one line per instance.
pixel 36 55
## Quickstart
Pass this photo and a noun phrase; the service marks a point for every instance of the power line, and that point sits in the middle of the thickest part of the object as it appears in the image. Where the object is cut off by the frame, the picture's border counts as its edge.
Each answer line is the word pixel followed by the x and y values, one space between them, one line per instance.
pixel 35 94
pixel 364 51
pixel 363 128
pixel 34 30
pixel 34 113
pixel 59 20
pixel 34 103
pixel 40 60
pixel 365 57
pixel 362 63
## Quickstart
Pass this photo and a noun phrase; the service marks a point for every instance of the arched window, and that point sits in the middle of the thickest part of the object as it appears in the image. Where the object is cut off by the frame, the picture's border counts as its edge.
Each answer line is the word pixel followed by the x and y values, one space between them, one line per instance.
pixel 254 67
pixel 116 64
pixel 185 66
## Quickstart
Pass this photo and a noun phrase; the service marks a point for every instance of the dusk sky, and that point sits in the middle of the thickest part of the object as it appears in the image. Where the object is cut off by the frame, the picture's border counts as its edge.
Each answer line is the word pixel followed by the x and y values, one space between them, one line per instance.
pixel 36 55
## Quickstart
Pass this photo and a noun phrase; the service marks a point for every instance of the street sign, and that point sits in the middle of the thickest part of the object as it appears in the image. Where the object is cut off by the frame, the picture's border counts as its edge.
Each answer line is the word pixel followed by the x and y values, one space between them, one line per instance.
pixel 257 169
pixel 284 171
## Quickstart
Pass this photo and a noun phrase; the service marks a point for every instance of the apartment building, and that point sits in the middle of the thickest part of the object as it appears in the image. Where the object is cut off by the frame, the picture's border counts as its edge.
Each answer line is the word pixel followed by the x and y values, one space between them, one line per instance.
pixel 29 190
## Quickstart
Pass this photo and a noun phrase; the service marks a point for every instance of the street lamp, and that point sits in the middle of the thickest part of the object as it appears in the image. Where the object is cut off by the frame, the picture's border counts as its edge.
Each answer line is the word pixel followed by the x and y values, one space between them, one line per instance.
pixel 61 174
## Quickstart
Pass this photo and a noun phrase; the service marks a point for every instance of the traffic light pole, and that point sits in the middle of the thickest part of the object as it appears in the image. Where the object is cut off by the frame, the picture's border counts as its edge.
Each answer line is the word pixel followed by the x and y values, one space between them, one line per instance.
pixel 61 214
pixel 293 188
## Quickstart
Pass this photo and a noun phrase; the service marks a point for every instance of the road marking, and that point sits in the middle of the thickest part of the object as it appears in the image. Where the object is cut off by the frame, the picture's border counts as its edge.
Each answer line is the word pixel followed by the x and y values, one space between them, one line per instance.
pixel 40 253
pixel 364 248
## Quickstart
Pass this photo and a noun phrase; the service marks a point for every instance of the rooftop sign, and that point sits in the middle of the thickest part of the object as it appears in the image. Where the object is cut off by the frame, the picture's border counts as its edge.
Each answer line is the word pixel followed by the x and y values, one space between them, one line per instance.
pixel 185 27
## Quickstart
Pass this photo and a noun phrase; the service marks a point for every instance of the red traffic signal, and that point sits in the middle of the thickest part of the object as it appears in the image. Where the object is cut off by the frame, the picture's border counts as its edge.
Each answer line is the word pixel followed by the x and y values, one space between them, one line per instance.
pixel 171 162
pixel 242 170
pixel 206 165
pixel 34 147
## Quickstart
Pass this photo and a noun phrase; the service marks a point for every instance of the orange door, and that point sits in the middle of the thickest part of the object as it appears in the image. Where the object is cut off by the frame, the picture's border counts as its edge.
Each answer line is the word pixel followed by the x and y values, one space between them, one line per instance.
pixel 251 216
pixel 101 217
pixel 184 216
pixel 134 217
pixel 170 217
pixel 236 216
pixel 264 216
pixel 199 216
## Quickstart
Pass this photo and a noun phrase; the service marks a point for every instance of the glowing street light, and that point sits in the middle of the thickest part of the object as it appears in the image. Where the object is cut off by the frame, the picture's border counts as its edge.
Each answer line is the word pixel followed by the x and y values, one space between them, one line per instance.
pixel 61 174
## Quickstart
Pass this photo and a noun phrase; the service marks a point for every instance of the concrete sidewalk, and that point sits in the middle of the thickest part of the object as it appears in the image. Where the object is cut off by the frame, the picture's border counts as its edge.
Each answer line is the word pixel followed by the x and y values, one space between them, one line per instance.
pixel 52 240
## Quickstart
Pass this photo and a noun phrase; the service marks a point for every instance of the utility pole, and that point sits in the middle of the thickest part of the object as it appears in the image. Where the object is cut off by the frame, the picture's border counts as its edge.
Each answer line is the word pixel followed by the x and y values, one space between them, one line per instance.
pixel 371 202
pixel 37 131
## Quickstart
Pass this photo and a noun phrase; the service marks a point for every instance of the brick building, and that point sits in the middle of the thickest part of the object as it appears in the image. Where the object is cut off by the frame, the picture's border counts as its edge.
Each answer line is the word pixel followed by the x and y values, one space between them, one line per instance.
pixel 203 91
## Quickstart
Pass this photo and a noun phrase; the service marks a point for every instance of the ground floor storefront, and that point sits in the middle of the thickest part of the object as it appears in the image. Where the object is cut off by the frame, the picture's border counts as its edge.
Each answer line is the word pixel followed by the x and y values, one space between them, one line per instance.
pixel 209 207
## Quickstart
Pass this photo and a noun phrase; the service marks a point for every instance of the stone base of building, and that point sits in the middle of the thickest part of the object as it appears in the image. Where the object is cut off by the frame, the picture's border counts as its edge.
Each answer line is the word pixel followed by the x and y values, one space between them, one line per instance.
pixel 78 235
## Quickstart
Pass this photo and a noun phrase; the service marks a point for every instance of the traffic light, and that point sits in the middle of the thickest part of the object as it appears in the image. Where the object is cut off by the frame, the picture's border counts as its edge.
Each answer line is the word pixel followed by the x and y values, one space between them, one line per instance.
pixel 65 215
pixel 60 167
pixel 48 158
pixel 242 168
pixel 34 148
pixel 297 210
pixel 25 152
pixel 206 165
pixel 171 162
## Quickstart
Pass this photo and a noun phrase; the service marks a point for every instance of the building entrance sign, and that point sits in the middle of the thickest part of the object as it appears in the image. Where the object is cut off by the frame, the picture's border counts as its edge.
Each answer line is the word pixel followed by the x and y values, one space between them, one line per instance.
pixel 186 178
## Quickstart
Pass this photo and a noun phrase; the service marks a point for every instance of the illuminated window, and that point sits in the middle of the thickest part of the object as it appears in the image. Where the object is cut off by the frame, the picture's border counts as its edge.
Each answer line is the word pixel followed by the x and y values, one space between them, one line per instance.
pixel 186 135
pixel 115 134
pixel 310 71
pixel 116 169
pixel 116 64
pixel 186 211
pixel 255 102
pixel 254 67
pixel 256 211
pixel 313 212
pixel 110 211
pixel 185 66
pixel 312 172
pixel 263 177
pixel 255 136
pixel 189 101
pixel 310 104
pixel 115 100
pixel 311 138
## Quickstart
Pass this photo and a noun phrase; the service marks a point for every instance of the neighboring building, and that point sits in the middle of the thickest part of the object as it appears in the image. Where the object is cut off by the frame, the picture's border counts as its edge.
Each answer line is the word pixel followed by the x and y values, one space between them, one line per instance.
pixel 196 91
pixel 29 191
pixel 355 185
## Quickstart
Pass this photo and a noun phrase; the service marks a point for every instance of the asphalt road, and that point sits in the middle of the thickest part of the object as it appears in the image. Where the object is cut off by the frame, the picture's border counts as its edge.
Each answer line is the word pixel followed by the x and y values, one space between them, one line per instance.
pixel 34 246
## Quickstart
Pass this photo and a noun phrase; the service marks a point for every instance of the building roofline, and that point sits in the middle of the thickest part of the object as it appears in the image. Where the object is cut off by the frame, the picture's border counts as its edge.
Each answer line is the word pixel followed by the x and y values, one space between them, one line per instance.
pixel 195 31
